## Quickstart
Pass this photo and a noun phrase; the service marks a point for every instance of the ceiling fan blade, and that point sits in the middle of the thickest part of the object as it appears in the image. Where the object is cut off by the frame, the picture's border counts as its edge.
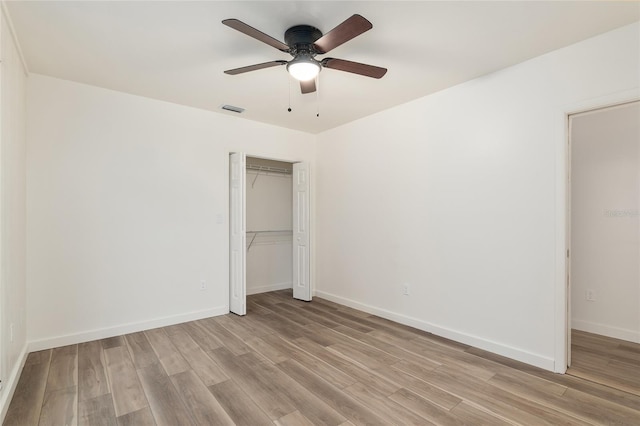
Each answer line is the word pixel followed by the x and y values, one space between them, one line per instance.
pixel 254 67
pixel 352 27
pixel 308 86
pixel 258 35
pixel 354 67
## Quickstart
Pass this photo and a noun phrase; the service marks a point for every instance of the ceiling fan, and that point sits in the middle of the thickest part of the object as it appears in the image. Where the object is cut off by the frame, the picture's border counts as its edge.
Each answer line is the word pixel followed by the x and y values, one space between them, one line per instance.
pixel 304 42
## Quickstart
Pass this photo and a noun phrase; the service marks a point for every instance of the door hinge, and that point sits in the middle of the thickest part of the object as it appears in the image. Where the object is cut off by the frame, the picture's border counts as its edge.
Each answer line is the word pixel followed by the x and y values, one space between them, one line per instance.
pixel 567 253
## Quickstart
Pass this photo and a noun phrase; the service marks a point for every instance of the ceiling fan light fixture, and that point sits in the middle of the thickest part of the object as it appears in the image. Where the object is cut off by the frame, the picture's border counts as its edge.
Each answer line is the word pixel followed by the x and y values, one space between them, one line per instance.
pixel 303 68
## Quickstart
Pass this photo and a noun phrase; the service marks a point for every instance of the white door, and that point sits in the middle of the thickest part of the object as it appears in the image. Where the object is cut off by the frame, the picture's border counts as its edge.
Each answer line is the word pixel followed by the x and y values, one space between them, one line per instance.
pixel 301 257
pixel 237 234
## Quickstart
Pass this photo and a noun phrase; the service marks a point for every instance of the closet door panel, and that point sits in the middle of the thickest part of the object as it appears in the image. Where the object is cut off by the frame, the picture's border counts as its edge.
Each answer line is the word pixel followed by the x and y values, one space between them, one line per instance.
pixel 237 234
pixel 301 255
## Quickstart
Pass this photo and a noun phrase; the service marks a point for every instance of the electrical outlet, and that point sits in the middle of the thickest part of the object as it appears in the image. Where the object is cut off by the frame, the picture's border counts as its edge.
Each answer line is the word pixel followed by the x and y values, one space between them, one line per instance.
pixel 590 295
pixel 203 285
pixel 405 289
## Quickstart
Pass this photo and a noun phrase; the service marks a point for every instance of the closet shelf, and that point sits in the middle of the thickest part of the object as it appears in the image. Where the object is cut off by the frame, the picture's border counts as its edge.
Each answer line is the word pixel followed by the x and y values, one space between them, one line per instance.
pixel 255 234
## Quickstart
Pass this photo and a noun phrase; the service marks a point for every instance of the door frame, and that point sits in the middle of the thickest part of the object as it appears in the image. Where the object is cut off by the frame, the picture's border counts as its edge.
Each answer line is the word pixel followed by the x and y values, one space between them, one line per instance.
pixel 275 157
pixel 563 197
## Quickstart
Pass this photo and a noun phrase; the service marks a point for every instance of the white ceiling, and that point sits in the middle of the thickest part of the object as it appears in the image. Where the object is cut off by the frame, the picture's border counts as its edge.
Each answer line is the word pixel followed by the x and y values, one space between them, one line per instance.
pixel 177 51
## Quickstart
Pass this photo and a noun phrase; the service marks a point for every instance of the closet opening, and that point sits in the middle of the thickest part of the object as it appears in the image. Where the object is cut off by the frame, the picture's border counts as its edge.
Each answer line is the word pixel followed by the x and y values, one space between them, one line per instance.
pixel 269 225
pixel 603 246
pixel 268 228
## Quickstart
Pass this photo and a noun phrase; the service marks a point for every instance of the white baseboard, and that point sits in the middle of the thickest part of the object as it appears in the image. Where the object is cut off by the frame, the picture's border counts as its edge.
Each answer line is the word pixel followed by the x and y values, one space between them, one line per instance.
pixel 103 333
pixel 606 330
pixel 478 342
pixel 9 386
pixel 270 287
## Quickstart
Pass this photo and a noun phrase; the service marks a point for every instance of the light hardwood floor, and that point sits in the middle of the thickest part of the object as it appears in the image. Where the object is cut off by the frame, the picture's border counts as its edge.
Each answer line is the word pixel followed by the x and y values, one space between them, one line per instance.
pixel 295 363
pixel 605 360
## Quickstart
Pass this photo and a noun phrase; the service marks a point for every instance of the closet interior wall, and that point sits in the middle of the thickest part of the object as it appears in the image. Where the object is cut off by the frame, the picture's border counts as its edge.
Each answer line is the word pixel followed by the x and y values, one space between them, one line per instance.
pixel 269 225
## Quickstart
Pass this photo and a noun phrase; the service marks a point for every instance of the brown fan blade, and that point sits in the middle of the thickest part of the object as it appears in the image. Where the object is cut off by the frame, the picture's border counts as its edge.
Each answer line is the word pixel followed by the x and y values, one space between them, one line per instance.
pixel 254 67
pixel 352 27
pixel 258 35
pixel 354 67
pixel 308 86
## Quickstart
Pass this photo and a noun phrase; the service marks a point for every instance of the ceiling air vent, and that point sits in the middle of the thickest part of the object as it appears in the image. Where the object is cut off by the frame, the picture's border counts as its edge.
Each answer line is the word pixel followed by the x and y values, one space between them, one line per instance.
pixel 233 108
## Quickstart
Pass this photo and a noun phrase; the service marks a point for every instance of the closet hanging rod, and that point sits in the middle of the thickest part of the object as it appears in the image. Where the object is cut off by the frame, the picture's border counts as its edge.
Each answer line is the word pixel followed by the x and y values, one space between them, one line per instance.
pixel 259 168
pixel 275 230
pixel 268 170
pixel 255 234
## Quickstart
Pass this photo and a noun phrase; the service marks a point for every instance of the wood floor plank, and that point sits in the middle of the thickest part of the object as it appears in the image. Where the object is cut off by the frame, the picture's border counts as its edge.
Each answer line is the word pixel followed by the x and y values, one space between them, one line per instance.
pixel 497 400
pixel 320 319
pixel 591 388
pixel 112 342
pixel 289 350
pixel 383 407
pixel 128 395
pixel 92 375
pixel 26 404
pixel 63 370
pixel 336 317
pixel 264 393
pixel 516 386
pixel 274 353
pixel 257 324
pixel 228 339
pixel 334 397
pixel 444 355
pixel 357 372
pixel 142 417
pixel 60 407
pixel 293 419
pixel 38 357
pixel 306 402
pixel 241 326
pixel 291 313
pixel 605 360
pixel 206 340
pixel 255 308
pixel 97 411
pixel 166 404
pixel 203 406
pixel 280 325
pixel 605 412
pixel 170 357
pixel 419 385
pixel 240 407
pixel 387 348
pixel 471 415
pixel 209 372
pixel 140 349
pixel 425 409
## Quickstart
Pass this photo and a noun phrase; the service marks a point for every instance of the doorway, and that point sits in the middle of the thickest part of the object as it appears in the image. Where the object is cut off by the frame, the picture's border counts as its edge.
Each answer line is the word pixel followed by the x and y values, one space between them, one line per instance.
pixel 268 245
pixel 604 240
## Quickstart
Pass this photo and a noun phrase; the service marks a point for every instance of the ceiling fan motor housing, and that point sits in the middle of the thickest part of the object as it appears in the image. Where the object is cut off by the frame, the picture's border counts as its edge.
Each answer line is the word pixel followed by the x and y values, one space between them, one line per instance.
pixel 300 39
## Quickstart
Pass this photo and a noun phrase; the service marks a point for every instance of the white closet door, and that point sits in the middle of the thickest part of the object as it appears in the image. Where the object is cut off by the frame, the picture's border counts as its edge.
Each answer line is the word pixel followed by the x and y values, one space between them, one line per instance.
pixel 237 234
pixel 301 257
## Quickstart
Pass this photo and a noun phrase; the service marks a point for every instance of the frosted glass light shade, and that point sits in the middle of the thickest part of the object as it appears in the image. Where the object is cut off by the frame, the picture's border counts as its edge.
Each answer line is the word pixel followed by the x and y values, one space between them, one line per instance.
pixel 303 69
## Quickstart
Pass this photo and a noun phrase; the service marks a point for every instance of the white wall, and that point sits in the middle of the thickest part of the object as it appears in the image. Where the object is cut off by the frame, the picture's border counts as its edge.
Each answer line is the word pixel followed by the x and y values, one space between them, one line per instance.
pixel 124 195
pixel 12 214
pixel 605 231
pixel 269 207
pixel 460 194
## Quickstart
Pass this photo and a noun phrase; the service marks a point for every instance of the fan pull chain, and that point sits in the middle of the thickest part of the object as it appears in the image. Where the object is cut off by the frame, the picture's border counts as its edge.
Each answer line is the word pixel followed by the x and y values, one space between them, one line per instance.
pixel 318 96
pixel 289 81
